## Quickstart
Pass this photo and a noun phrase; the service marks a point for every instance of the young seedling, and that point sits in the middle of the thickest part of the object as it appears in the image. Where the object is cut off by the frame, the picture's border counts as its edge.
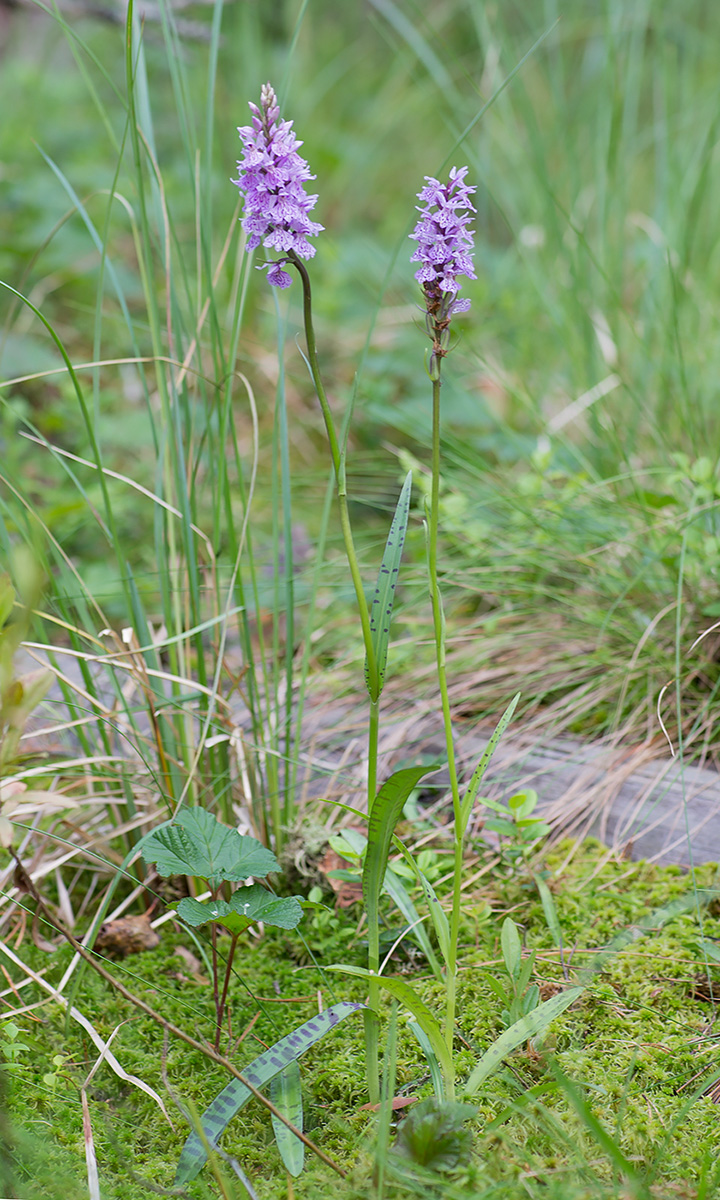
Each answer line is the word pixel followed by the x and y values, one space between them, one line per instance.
pixel 518 998
pixel 517 830
pixel 196 844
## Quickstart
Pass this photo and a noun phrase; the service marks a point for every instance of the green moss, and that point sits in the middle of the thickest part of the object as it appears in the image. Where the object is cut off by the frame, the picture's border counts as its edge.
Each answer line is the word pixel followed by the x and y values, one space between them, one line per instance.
pixel 636 1041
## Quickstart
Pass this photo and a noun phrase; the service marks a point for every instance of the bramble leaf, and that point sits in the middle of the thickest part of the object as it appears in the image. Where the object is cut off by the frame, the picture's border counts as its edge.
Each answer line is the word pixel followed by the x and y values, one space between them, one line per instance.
pixel 196 843
pixel 246 907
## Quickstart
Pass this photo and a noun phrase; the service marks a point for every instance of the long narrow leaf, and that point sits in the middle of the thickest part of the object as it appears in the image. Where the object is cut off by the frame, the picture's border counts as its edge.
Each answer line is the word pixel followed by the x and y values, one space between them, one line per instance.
pixel 413 1003
pixel 530 1026
pixel 431 1057
pixel 232 1098
pixel 286 1095
pixel 551 916
pixel 472 791
pixel 383 818
pixel 384 598
pixel 437 912
pixel 397 892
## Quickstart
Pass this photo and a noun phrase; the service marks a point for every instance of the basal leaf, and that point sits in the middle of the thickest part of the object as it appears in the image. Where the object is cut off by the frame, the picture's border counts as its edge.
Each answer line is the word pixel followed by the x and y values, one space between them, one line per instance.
pixel 384 816
pixel 259 1072
pixel 384 598
pixel 286 1095
pixel 196 843
pixel 413 1003
pixel 530 1026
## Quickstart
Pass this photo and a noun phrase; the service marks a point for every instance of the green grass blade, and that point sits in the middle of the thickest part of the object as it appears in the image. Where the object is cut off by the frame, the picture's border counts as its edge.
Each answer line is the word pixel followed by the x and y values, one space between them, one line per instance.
pixel 384 598
pixel 286 1095
pixel 551 916
pixel 530 1026
pixel 599 1133
pixel 232 1098
pixel 397 892
pixel 472 791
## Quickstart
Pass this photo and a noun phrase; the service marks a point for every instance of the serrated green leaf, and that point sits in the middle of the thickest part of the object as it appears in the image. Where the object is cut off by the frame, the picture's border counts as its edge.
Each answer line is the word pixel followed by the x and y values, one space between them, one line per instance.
pixel 479 773
pixel 413 1003
pixel 255 903
pixel 384 597
pixel 527 1027
pixel 259 1072
pixel 196 843
pixel 247 906
pixel 286 1095
pixel 199 912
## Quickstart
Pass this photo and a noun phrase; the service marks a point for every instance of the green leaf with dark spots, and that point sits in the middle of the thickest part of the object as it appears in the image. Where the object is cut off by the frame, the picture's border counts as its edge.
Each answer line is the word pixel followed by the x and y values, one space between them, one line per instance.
pixel 384 597
pixel 259 1072
pixel 530 1026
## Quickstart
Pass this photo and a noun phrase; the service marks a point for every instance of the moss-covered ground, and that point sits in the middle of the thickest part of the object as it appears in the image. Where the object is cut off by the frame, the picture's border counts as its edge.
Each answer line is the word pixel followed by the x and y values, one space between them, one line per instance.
pixel 638 1045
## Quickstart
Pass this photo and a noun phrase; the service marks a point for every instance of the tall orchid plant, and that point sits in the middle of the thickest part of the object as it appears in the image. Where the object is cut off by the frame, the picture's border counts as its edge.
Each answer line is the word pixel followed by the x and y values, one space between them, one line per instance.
pixel 271 179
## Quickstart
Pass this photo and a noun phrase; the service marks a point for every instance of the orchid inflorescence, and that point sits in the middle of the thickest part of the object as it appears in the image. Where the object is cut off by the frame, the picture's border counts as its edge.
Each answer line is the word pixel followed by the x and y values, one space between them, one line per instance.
pixel 444 250
pixel 271 178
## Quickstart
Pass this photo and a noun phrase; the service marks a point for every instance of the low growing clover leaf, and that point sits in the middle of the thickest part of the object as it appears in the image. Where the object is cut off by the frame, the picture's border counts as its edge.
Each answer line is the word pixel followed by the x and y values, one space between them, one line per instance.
pixel 196 843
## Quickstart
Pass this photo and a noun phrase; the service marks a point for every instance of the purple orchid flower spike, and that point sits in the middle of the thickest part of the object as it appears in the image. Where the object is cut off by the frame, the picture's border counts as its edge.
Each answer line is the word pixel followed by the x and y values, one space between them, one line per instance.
pixel 445 251
pixel 271 178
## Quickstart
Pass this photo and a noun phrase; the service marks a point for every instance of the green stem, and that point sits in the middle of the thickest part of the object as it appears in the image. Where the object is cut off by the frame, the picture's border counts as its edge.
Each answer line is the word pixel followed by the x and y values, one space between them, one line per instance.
pixel 226 983
pixel 372 1024
pixel 439 626
pixel 338 459
pixel 373 732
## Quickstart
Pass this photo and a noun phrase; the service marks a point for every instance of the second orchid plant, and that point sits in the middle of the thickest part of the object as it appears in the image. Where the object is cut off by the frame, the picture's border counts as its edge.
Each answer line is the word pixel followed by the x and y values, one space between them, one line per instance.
pixel 271 179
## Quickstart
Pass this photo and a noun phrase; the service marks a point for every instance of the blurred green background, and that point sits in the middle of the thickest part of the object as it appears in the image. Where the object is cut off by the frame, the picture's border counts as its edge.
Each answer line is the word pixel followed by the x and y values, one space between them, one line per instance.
pixel 580 402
